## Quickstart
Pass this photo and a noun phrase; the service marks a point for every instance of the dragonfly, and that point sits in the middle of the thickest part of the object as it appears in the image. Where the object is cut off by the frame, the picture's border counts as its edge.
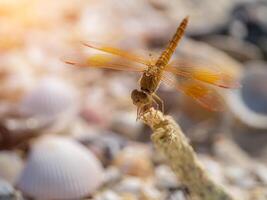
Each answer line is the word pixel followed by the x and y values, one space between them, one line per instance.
pixel 192 80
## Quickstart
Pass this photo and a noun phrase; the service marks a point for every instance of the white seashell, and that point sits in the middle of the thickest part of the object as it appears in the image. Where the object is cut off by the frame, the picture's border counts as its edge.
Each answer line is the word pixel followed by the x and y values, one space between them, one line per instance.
pixel 51 97
pixel 10 166
pixel 248 103
pixel 52 101
pixel 60 168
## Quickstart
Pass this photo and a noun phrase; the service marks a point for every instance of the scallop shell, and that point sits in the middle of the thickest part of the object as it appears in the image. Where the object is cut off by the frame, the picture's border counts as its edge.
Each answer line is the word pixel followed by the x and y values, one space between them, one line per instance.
pixel 50 97
pixel 60 168
pixel 52 101
pixel 10 166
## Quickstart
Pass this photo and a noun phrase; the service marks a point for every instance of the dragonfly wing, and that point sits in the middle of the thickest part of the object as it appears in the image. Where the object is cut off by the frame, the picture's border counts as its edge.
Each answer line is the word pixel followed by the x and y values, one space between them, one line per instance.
pixel 206 96
pixel 204 73
pixel 104 61
pixel 117 52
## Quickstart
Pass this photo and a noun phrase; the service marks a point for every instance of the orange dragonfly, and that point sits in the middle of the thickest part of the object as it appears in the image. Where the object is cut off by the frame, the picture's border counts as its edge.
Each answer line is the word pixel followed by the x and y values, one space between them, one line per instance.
pixel 194 81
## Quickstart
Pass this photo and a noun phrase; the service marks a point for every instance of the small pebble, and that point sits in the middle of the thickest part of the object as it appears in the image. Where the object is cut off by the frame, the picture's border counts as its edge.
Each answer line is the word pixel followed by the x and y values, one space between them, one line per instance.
pixel 165 178
pixel 6 189
pixel 135 161
pixel 239 176
pixel 108 195
pixel 261 173
pixel 112 175
pixel 150 192
pixel 130 185
pixel 177 195
pixel 10 166
pixel 213 168
pixel 125 123
pixel 7 192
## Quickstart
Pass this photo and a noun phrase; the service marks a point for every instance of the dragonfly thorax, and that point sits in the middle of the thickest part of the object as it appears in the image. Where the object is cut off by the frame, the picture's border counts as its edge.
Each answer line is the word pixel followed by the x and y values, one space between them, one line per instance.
pixel 150 80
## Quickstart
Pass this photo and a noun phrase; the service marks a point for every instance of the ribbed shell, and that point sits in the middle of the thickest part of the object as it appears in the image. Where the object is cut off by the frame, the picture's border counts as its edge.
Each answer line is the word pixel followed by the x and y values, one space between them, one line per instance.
pixel 51 96
pixel 52 102
pixel 60 168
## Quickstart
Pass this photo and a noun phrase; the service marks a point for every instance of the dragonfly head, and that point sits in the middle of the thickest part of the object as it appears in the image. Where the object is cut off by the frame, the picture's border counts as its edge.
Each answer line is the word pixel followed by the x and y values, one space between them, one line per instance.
pixel 140 98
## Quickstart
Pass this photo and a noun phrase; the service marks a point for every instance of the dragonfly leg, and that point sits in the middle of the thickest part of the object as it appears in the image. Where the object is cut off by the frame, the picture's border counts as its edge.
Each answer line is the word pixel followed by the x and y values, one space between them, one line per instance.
pixel 156 97
pixel 140 111
pixel 157 105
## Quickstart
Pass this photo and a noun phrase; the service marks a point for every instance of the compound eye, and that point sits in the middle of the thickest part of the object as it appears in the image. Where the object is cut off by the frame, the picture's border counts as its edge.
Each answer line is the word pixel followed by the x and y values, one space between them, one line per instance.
pixel 144 95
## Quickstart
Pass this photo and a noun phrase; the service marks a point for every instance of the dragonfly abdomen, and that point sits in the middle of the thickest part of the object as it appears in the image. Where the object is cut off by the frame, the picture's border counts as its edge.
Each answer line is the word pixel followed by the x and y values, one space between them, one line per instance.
pixel 166 55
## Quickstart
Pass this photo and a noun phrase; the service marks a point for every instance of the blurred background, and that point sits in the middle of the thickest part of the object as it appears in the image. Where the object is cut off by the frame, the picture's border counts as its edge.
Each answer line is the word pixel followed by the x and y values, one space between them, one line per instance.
pixel 71 133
